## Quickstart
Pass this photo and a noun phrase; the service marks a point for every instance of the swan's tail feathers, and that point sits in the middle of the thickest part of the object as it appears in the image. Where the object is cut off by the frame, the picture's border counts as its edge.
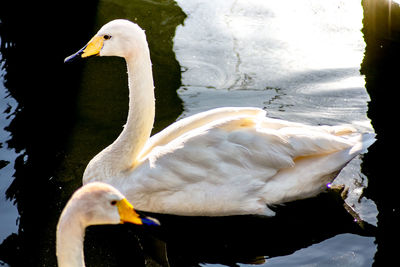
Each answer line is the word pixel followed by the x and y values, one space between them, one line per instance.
pixel 362 142
pixel 310 174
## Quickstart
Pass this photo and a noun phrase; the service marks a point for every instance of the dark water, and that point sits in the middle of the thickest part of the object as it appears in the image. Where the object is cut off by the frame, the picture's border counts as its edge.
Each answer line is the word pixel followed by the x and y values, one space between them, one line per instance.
pixel 326 63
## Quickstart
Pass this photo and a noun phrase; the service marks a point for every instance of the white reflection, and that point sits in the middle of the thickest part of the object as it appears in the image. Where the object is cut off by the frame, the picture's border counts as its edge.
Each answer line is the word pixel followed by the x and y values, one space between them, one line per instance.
pixel 257 44
pixel 321 34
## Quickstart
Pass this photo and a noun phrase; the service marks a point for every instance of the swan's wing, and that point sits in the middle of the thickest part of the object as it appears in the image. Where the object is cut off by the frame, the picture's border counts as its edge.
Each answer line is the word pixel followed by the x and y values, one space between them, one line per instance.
pixel 196 121
pixel 224 166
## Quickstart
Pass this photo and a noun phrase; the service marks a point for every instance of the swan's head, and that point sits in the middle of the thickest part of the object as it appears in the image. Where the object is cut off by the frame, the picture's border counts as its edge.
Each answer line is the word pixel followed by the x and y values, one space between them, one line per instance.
pixel 99 203
pixel 119 37
pixel 93 204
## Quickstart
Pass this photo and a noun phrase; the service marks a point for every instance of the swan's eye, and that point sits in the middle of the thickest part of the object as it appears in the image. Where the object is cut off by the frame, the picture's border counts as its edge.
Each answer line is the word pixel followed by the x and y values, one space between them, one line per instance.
pixel 107 37
pixel 113 203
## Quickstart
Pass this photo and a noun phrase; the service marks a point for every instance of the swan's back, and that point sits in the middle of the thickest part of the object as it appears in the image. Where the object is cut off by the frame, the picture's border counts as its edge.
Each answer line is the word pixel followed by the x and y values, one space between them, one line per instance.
pixel 196 121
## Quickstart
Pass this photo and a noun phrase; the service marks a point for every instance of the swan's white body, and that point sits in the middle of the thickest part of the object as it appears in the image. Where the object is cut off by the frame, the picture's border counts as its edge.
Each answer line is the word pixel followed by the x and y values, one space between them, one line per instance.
pixel 221 162
pixel 92 204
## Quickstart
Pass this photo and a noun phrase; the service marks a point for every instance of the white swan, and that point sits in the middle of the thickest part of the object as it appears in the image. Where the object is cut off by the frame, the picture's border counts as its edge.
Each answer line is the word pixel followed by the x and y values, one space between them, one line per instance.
pixel 224 161
pixel 93 204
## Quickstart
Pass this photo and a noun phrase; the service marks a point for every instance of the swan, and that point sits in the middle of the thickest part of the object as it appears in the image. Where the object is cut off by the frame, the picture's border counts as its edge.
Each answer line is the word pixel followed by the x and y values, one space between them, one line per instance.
pixel 225 161
pixel 93 204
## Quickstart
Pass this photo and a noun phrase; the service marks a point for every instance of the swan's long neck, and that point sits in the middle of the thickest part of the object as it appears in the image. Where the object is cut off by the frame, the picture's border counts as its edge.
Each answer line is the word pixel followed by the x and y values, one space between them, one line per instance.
pixel 122 154
pixel 69 246
pixel 141 111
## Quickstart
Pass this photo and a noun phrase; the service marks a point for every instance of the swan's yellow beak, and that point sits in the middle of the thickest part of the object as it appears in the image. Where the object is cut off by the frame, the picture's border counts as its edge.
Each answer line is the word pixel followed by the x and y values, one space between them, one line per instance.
pixel 91 49
pixel 128 214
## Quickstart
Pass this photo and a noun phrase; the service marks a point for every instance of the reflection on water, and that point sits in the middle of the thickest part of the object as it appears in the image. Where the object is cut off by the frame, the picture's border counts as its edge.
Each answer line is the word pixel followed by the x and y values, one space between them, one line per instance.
pixel 299 60
pixel 308 49
pixel 258 37
pixel 350 255
pixel 38 132
pixel 8 105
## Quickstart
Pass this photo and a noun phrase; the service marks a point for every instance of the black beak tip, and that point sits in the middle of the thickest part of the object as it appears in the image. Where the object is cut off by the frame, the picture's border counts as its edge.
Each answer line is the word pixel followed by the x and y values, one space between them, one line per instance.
pixel 74 57
pixel 68 59
pixel 151 221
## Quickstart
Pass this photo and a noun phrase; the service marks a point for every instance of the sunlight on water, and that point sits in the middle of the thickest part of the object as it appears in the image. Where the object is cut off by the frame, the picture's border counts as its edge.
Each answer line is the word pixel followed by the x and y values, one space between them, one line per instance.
pixel 320 35
pixel 297 48
pixel 297 34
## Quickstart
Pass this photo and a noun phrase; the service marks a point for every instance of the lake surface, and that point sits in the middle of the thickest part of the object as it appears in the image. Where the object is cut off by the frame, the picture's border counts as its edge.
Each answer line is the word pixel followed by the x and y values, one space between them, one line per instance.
pixel 316 62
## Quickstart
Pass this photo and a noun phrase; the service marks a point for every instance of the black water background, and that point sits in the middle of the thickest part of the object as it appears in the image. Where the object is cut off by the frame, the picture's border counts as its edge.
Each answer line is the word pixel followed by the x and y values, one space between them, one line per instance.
pixel 49 118
pixel 35 40
pixel 381 69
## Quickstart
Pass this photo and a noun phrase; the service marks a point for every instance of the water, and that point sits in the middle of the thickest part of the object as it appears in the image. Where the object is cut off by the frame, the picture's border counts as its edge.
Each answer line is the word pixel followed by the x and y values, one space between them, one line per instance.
pixel 309 61
pixel 9 213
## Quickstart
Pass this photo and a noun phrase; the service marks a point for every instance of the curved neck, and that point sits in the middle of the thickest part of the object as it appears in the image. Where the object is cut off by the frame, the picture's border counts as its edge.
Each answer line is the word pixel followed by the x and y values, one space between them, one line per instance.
pixel 140 119
pixel 69 245
pixel 122 154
